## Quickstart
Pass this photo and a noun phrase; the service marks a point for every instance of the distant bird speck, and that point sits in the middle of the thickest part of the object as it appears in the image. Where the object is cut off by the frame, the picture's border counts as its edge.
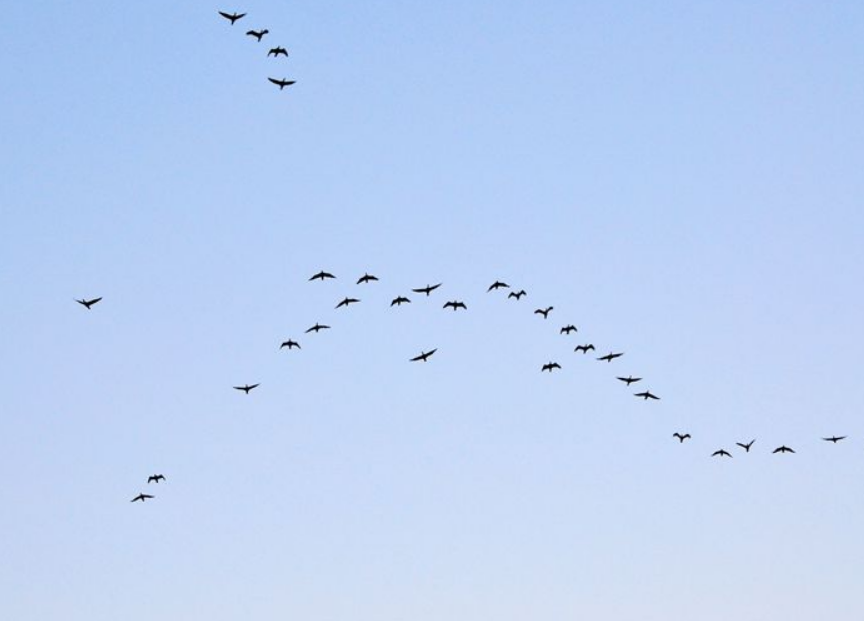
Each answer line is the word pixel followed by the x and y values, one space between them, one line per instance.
pixel 424 356
pixel 88 303
pixel 246 388
pixel 517 295
pixel 232 17
pixel 544 311
pixel 258 34
pixel 282 83
pixel 141 497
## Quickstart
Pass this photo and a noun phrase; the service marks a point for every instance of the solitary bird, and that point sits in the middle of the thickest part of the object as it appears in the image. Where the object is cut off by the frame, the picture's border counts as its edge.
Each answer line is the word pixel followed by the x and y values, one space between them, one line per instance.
pixel 569 329
pixel 544 312
pixel 347 301
pixel 322 275
pixel 721 453
pixel 747 446
pixel 258 34
pixel 585 348
pixel 646 395
pixel 232 17
pixel 246 388
pixel 455 305
pixel 610 357
pixel 317 328
pixel 497 285
pixel 290 344
pixel 282 83
pixel 629 379
pixel 424 356
pixel 155 478
pixel 549 366
pixel 516 294
pixel 141 497
pixel 400 301
pixel 681 437
pixel 276 51
pixel 427 289
pixel 88 303
pixel 834 439
pixel 782 449
pixel 366 278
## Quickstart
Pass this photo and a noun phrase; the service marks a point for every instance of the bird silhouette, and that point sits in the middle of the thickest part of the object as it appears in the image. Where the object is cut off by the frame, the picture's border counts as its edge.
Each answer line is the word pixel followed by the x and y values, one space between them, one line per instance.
pixel 282 83
pixel 424 356
pixel 455 305
pixel 277 51
pixel 258 34
pixel 246 388
pixel 232 17
pixel 400 301
pixel 317 328
pixel 747 446
pixel 88 303
pixel 141 497
pixel 569 329
pixel 322 275
pixel 365 278
pixel 544 312
pixel 497 285
pixel 290 344
pixel 155 478
pixel 629 379
pixel 549 366
pixel 427 289
pixel 516 294
pixel 347 301
pixel 610 357
pixel 721 453
pixel 681 437
pixel 834 439
pixel 585 348
pixel 646 395
pixel 782 449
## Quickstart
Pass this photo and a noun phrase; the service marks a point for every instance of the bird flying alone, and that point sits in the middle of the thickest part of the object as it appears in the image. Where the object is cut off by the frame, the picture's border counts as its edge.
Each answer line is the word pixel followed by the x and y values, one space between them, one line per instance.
pixel 141 497
pixel 747 446
pixel 282 83
pixel 278 51
pixel 681 436
pixel 88 303
pixel 834 439
pixel 629 379
pixel 585 348
pixel 365 278
pixel 424 356
pixel 517 295
pixel 258 34
pixel 550 366
pixel 569 329
pixel 317 328
pixel 782 449
pixel 232 17
pixel 290 344
pixel 155 478
pixel 610 357
pixel 646 395
pixel 246 388
pixel 427 289
pixel 400 301
pixel 497 285
pixel 543 311
pixel 455 305
pixel 347 301
pixel 322 275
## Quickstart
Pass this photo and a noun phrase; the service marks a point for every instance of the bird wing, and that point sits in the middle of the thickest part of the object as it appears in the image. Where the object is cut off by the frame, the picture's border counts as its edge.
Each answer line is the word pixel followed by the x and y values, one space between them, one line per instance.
pixel 226 15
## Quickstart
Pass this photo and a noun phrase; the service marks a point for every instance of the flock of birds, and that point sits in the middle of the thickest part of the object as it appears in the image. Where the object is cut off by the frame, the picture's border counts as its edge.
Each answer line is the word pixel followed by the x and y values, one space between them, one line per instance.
pixel 425 356
pixel 259 34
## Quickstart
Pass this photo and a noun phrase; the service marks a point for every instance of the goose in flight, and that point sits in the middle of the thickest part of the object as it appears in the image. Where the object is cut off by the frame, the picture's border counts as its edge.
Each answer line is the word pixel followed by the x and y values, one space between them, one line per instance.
pixel 282 83
pixel 277 51
pixel 258 34
pixel 455 305
pixel 549 366
pixel 497 285
pixel 516 294
pixel 646 395
pixel 141 497
pixel 610 357
pixel 721 453
pixel 322 275
pixel 246 388
pixel 782 449
pixel 569 329
pixel 367 278
pixel 424 356
pixel 317 328
pixel 681 437
pixel 427 289
pixel 232 17
pixel 585 348
pixel 290 344
pixel 155 478
pixel 347 301
pixel 400 301
pixel 629 379
pixel 544 312
pixel 747 446
pixel 88 303
pixel 834 439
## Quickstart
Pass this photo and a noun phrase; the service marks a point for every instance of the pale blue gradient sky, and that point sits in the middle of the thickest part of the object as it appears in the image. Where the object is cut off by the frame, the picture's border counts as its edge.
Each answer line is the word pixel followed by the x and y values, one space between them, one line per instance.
pixel 681 180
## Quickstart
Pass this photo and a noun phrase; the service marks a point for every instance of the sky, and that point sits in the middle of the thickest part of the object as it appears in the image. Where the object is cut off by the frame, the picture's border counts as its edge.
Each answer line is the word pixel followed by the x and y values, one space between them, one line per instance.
pixel 680 180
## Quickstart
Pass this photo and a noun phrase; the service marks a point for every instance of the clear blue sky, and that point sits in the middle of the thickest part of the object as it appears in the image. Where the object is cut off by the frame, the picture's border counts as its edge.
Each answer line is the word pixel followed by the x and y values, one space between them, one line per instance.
pixel 681 180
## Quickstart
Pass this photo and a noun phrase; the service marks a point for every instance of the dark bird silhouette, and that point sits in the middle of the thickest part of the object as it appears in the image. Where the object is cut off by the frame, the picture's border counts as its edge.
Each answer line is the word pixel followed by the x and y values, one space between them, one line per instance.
pixel 549 366
pixel 646 395
pixel 834 439
pixel 455 305
pixel 747 446
pixel 277 51
pixel 88 303
pixel 782 449
pixel 321 276
pixel 497 285
pixel 610 357
pixel 424 356
pixel 290 344
pixel 427 289
pixel 681 437
pixel 516 294
pixel 347 301
pixel 282 83
pixel 155 478
pixel 246 388
pixel 569 329
pixel 365 278
pixel 232 17
pixel 585 348
pixel 721 453
pixel 400 301
pixel 258 34
pixel 141 497
pixel 544 312
pixel 317 328
pixel 629 379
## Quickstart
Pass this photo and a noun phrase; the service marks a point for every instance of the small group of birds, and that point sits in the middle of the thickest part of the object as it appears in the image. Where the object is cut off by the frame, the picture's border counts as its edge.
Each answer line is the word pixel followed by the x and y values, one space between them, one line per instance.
pixel 153 478
pixel 275 52
pixel 747 445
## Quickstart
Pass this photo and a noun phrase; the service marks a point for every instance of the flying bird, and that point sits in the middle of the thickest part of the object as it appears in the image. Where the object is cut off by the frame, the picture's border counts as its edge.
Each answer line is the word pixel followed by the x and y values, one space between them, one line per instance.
pixel 681 437
pixel 141 497
pixel 246 388
pixel 629 379
pixel 782 449
pixel 400 301
pixel 455 305
pixel 516 294
pixel 569 329
pixel 549 366
pixel 232 17
pixel 834 439
pixel 424 356
pixel 585 348
pixel 258 34
pixel 88 303
pixel 290 344
pixel 347 301
pixel 321 276
pixel 646 395
pixel 544 312
pixel 366 278
pixel 277 51
pixel 427 289
pixel 497 285
pixel 282 83
pixel 747 446
pixel 721 453
pixel 155 478
pixel 610 357
pixel 317 328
